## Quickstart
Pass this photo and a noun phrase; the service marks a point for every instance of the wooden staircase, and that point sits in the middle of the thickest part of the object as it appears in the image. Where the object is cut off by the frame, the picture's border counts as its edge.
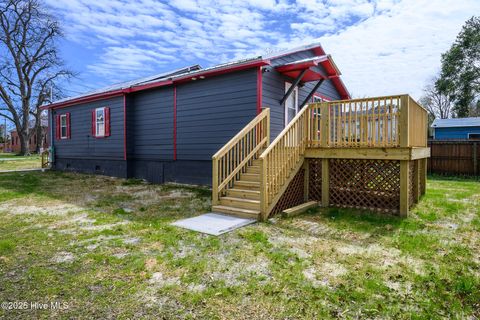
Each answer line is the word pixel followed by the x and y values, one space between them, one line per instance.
pixel 243 199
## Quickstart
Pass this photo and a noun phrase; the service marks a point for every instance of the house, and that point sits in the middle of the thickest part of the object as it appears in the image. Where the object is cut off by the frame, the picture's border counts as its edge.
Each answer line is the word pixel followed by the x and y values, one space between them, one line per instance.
pixel 268 133
pixel 167 127
pixel 456 129
pixel 32 145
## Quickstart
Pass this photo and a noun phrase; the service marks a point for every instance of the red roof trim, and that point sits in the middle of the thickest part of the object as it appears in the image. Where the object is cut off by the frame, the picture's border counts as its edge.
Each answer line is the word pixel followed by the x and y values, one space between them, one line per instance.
pixel 124 127
pixel 259 89
pixel 216 72
pixel 94 97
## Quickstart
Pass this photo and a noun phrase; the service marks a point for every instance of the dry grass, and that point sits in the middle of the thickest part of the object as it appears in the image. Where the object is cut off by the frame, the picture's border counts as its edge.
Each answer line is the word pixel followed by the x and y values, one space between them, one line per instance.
pixel 105 248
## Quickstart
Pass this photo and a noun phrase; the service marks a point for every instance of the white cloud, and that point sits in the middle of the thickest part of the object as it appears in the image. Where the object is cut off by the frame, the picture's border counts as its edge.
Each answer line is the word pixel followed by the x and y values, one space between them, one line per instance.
pixel 382 47
pixel 398 52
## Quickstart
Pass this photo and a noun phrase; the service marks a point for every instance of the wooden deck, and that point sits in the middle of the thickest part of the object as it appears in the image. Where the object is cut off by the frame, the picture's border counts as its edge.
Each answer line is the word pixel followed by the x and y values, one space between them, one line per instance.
pixel 254 178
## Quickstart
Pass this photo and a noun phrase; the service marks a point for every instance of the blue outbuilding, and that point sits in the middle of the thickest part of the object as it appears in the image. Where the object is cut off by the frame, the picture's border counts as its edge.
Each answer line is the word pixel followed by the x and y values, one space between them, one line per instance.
pixel 456 129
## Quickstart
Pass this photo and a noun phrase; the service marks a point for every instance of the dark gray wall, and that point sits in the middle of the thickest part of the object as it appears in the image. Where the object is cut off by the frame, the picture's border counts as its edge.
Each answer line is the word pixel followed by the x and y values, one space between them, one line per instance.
pixel 150 125
pixel 82 145
pixel 211 111
pixel 274 89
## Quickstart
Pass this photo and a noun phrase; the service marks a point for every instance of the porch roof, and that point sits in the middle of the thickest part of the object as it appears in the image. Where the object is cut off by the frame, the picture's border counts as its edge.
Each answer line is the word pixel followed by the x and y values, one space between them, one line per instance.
pixel 294 69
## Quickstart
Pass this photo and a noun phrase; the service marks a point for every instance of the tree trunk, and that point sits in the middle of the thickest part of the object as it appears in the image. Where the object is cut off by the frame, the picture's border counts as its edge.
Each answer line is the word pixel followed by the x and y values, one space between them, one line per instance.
pixel 24 144
pixel 39 134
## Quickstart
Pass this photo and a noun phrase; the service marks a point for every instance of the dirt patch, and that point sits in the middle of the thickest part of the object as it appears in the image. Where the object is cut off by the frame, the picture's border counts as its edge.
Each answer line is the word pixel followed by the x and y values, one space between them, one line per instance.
pixel 325 274
pixel 158 280
pixel 63 257
pixel 45 208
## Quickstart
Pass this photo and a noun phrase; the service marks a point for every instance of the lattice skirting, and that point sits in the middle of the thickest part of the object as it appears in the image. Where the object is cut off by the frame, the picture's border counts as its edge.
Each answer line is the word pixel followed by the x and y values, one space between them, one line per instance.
pixel 315 180
pixel 365 184
pixel 294 195
pixel 412 168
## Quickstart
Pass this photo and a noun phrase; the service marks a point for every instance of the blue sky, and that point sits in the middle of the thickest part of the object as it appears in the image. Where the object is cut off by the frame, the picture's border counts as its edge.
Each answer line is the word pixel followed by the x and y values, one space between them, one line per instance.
pixel 381 47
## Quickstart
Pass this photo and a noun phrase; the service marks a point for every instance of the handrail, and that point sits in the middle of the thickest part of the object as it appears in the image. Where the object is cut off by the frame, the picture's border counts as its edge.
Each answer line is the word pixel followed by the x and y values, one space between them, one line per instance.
pixel 241 133
pixel 279 160
pixel 232 159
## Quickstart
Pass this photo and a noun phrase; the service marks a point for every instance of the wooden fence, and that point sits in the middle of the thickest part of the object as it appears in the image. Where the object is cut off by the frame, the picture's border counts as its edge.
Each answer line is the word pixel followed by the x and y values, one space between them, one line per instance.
pixel 454 157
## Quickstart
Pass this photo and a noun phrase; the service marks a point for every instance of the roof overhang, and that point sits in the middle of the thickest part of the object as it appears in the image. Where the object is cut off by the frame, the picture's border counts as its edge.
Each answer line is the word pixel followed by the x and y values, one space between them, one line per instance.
pixel 295 68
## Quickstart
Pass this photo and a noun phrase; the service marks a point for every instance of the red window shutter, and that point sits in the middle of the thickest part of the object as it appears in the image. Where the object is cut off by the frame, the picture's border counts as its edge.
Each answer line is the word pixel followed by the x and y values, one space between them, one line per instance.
pixel 107 122
pixel 69 133
pixel 94 134
pixel 57 127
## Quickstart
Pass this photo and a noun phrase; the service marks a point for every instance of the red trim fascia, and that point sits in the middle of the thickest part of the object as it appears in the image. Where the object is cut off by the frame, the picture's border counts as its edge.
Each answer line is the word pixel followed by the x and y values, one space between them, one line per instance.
pixel 174 123
pixel 259 89
pixel 149 86
pixel 227 69
pixel 95 97
pixel 337 82
pixel 318 51
pixel 300 66
pixel 124 126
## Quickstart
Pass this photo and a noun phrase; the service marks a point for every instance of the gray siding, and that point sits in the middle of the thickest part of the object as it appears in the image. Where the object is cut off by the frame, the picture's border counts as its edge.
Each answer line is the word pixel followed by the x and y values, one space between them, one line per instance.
pixel 82 145
pixel 211 111
pixel 150 125
pixel 274 88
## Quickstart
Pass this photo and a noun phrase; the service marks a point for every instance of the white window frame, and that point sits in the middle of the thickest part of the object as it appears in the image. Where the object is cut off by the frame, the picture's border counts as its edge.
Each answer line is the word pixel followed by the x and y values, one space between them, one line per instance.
pixel 319 98
pixel 63 125
pixel 99 124
pixel 295 93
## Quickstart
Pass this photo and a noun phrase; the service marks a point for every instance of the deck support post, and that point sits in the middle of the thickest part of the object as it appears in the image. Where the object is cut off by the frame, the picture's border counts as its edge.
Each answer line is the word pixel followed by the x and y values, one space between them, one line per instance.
pixel 263 191
pixel 325 183
pixel 306 180
pixel 404 184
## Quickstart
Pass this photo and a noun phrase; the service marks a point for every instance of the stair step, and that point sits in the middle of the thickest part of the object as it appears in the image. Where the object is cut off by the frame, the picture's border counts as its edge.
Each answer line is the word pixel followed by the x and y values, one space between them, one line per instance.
pixel 253 169
pixel 250 177
pixel 243 213
pixel 244 193
pixel 256 162
pixel 250 185
pixel 240 203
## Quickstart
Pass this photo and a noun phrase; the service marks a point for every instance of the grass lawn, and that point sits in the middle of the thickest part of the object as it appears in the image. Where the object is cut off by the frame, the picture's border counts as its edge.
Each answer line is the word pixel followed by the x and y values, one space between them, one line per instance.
pixel 10 161
pixel 103 248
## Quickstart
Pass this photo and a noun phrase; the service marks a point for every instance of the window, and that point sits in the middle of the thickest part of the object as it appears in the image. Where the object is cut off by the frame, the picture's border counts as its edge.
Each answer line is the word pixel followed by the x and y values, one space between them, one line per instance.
pixel 291 104
pixel 62 126
pixel 474 136
pixel 101 122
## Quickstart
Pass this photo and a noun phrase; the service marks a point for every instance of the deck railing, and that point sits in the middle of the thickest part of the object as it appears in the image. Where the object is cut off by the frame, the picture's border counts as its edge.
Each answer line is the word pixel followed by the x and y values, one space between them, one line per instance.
pixel 381 122
pixel 371 122
pixel 417 124
pixel 280 159
pixel 231 160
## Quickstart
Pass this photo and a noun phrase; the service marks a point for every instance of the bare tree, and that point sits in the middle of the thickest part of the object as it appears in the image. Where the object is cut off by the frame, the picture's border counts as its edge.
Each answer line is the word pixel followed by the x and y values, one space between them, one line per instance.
pixel 30 66
pixel 437 104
